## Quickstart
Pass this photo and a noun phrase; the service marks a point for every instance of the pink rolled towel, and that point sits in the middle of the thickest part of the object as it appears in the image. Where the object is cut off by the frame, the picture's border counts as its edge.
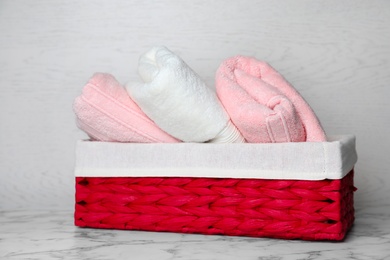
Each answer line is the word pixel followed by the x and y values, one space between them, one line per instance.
pixel 263 105
pixel 106 112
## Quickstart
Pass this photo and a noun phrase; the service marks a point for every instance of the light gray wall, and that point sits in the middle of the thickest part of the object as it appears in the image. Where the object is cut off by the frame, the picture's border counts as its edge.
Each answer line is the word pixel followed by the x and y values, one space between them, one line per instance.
pixel 336 53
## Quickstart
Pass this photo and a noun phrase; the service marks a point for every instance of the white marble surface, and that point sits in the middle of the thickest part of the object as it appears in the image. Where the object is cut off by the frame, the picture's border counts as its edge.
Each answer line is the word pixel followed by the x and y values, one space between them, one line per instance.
pixel 335 53
pixel 52 235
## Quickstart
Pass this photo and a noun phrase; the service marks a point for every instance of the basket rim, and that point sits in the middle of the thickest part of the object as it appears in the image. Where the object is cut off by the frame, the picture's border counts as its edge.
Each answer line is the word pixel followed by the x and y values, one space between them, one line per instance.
pixel 333 159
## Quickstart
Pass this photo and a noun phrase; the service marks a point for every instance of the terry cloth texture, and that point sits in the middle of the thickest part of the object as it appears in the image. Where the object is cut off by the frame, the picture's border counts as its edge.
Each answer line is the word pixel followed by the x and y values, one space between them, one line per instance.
pixel 178 100
pixel 263 105
pixel 106 112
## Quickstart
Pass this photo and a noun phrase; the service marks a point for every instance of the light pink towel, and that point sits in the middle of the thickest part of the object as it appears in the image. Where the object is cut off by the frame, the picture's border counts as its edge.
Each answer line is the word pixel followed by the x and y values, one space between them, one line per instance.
pixel 106 112
pixel 263 105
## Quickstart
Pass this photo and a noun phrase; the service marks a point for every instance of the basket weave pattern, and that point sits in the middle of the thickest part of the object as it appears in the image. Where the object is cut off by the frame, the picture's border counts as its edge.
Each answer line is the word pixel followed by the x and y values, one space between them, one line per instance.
pixel 290 209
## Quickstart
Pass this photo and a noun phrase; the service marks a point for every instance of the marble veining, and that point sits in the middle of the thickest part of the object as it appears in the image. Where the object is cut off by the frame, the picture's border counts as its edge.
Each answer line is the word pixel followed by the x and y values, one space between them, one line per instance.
pixel 52 235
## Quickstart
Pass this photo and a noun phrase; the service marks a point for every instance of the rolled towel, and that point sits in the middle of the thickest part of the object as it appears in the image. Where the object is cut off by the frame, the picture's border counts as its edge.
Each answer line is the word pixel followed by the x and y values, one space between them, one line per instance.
pixel 263 105
pixel 177 99
pixel 106 112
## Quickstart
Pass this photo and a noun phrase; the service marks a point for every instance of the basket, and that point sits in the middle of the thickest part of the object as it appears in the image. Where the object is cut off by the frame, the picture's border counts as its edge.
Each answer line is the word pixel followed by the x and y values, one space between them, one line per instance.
pixel 286 190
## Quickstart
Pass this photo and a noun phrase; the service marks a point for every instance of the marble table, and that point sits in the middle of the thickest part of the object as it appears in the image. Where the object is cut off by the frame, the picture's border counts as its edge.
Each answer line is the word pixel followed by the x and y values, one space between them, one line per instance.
pixel 52 235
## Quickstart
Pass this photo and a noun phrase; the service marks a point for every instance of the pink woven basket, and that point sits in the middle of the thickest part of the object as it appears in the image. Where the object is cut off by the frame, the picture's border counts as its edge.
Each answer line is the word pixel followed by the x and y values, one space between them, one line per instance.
pixel 275 208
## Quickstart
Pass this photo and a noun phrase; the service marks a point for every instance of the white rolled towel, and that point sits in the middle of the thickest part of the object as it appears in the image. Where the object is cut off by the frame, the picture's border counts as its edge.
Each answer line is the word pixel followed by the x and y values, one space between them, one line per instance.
pixel 178 100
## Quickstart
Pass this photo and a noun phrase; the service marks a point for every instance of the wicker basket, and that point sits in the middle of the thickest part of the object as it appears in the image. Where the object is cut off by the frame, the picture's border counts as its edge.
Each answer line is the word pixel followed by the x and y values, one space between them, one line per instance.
pixel 191 188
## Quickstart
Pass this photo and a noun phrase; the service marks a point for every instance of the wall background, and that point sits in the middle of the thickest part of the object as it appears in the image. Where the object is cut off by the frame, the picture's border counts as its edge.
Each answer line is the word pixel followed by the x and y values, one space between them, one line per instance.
pixel 336 53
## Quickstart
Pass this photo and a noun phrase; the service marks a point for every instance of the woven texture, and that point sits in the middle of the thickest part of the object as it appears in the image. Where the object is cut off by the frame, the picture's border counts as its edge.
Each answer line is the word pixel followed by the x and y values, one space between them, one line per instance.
pixel 289 209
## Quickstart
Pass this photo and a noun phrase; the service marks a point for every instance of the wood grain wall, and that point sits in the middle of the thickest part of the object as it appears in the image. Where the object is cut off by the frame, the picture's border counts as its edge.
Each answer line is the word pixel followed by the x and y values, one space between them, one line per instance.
pixel 336 53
